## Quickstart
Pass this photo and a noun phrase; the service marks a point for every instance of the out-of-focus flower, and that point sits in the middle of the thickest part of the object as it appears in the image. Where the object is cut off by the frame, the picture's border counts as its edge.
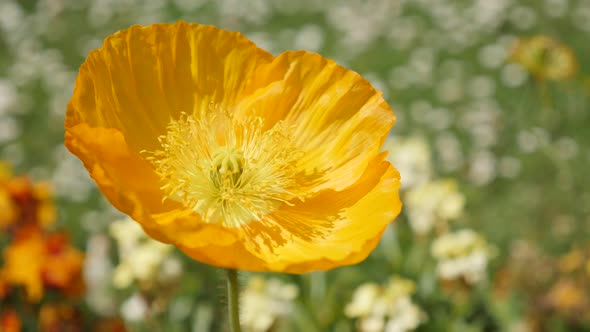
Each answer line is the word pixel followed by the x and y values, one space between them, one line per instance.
pixel 141 259
pixel 5 171
pixel 554 288
pixel 35 260
pixel 63 264
pixel 9 321
pixel 264 301
pixel 110 325
pixel 8 211
pixel 363 300
pixel 482 167
pixel 463 254
pixel 23 202
pixel 386 308
pixel 412 158
pixel 526 269
pixel 572 261
pixel 23 263
pixel 569 297
pixel 3 288
pixel 98 270
pixel 8 95
pixel 545 58
pixel 238 158
pixel 135 308
pixel 58 317
pixel 433 204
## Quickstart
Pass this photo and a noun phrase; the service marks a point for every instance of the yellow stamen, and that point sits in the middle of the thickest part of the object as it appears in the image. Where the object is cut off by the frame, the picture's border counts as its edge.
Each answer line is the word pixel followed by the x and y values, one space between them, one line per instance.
pixel 228 171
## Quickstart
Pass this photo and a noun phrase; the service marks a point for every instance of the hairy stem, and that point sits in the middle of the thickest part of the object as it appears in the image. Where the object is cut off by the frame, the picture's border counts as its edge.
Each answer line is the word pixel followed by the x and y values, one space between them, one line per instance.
pixel 233 302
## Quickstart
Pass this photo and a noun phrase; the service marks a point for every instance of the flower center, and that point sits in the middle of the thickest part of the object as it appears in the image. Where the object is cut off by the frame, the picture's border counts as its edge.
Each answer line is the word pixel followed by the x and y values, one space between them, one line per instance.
pixel 228 171
pixel 228 165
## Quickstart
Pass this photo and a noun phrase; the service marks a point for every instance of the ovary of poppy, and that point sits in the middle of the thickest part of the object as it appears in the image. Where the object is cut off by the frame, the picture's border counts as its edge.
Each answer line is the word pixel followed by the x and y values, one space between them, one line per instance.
pixel 240 159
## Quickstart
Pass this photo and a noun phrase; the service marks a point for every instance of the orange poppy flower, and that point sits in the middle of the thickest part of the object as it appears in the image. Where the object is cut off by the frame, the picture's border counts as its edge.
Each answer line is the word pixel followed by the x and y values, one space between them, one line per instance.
pixel 60 317
pixel 9 321
pixel 3 288
pixel 240 159
pixel 35 260
pixel 24 202
pixel 23 262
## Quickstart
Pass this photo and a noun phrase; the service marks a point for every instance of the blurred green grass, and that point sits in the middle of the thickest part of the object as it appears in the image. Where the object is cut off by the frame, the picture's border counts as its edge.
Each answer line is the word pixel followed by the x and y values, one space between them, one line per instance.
pixel 545 202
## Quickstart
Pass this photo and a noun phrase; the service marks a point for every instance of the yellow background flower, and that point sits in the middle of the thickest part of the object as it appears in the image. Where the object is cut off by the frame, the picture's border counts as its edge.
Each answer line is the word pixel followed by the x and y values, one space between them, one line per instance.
pixel 238 158
pixel 545 58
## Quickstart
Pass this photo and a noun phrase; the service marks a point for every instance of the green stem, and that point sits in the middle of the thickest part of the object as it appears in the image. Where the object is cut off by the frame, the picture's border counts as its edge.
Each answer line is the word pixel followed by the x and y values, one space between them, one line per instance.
pixel 233 301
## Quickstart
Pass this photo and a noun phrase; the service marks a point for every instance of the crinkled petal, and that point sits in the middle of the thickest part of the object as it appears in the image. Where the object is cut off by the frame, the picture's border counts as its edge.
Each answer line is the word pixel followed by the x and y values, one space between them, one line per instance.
pixel 364 210
pixel 346 227
pixel 144 76
pixel 124 178
pixel 336 117
pixel 127 92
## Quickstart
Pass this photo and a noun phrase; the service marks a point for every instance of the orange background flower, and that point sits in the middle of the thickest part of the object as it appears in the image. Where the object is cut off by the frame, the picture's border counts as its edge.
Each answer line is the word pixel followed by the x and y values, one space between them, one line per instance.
pixel 24 202
pixel 9 321
pixel 34 260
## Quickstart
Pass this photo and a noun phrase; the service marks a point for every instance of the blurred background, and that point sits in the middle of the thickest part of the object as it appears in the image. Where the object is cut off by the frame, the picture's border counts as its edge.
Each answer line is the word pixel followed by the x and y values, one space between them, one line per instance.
pixel 492 102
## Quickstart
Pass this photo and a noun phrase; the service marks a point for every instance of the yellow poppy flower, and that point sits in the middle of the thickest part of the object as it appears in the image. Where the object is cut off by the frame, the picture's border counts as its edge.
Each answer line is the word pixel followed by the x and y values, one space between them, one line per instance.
pixel 240 159
pixel 545 58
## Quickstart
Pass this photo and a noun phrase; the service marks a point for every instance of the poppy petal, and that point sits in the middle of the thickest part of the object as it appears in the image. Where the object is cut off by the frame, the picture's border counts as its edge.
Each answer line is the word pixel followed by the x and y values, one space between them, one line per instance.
pixel 318 98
